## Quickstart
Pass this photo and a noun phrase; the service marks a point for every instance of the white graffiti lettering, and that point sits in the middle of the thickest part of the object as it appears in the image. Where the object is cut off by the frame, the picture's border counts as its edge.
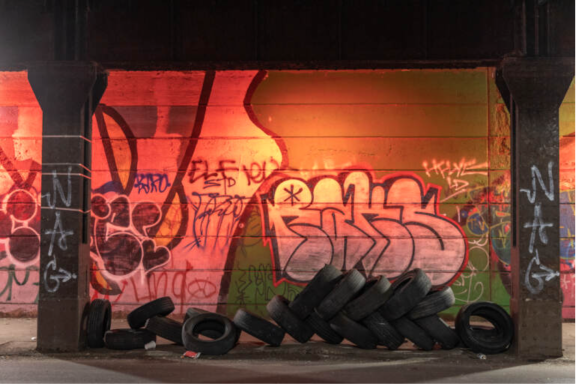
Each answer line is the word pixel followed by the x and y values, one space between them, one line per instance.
pixel 54 275
pixel 538 225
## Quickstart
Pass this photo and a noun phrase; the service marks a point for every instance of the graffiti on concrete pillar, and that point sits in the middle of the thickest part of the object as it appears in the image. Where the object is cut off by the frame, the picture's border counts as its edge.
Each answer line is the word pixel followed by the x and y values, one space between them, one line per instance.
pixel 54 275
pixel 537 272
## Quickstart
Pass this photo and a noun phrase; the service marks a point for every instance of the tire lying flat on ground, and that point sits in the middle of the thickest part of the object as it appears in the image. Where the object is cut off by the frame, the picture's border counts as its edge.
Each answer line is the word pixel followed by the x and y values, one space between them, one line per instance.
pixel 166 328
pixel 409 289
pixel 373 295
pixel 323 329
pixel 386 333
pixel 159 307
pixel 208 329
pixel 99 319
pixel 128 339
pixel 414 333
pixel 346 288
pixel 439 331
pixel 288 320
pixel 353 331
pixel 258 327
pixel 221 345
pixel 315 291
pixel 485 341
pixel 434 302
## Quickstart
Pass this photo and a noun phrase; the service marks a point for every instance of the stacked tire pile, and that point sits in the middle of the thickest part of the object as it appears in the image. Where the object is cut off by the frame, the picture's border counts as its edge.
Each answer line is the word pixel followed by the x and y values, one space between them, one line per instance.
pixel 334 306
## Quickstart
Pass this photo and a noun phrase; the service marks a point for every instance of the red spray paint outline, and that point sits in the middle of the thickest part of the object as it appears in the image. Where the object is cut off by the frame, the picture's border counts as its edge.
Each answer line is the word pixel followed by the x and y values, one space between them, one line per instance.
pixel 424 187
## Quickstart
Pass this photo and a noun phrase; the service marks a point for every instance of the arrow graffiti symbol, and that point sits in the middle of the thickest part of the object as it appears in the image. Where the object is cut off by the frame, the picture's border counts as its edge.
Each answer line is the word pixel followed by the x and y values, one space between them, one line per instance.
pixel 548 275
pixel 64 275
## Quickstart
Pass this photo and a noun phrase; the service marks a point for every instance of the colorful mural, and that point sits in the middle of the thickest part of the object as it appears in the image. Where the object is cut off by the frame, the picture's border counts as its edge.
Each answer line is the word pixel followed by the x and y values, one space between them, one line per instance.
pixel 224 188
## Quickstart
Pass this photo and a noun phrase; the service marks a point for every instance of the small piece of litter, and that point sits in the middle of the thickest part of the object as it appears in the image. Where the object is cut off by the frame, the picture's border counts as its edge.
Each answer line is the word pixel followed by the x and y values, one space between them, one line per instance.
pixel 191 354
pixel 33 338
pixel 481 356
pixel 150 345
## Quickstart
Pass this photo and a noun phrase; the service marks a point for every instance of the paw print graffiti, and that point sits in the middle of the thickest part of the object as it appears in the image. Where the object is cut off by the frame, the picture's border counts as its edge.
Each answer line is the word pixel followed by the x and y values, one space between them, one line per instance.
pixel 17 214
pixel 120 241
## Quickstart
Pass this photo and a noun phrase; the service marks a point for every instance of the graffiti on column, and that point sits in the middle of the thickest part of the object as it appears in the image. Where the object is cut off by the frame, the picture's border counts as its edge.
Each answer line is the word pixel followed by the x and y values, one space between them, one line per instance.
pixel 54 276
pixel 537 272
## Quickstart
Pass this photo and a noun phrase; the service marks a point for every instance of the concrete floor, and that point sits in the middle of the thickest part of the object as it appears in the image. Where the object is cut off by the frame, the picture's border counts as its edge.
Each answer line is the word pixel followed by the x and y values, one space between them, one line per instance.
pixel 252 362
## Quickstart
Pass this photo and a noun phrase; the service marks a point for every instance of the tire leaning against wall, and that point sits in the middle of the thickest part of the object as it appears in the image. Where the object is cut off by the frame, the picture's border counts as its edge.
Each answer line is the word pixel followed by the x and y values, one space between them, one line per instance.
pixel 439 331
pixel 375 293
pixel 409 289
pixel 435 302
pixel 319 287
pixel 414 333
pixel 99 320
pixel 281 313
pixel 347 287
pixel 323 329
pixel 258 327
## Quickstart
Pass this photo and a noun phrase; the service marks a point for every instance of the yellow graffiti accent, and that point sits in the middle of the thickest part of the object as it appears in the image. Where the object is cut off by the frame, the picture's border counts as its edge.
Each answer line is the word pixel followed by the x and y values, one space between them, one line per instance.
pixel 101 280
pixel 170 224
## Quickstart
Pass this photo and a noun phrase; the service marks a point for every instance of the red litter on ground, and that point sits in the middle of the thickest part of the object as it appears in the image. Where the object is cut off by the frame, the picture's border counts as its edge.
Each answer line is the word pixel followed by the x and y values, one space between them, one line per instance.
pixel 191 354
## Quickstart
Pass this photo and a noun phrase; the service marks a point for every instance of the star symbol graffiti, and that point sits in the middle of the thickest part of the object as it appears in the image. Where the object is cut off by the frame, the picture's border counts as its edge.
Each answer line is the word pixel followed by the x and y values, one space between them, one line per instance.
pixel 292 195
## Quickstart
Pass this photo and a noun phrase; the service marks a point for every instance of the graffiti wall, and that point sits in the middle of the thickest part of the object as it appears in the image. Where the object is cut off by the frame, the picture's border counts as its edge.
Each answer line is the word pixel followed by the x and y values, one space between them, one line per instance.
pixel 222 189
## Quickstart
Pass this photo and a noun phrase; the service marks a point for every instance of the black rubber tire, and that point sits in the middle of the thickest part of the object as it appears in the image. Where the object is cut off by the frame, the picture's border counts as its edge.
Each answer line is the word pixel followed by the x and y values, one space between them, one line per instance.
pixel 353 331
pixel 208 329
pixel 216 347
pixel 434 302
pixel 161 307
pixel 373 295
pixel 346 288
pixel 193 311
pixel 386 333
pixel 128 339
pixel 288 320
pixel 409 289
pixel 211 330
pixel 323 282
pixel 323 329
pixel 439 331
pixel 483 341
pixel 99 320
pixel 413 332
pixel 258 327
pixel 482 332
pixel 166 328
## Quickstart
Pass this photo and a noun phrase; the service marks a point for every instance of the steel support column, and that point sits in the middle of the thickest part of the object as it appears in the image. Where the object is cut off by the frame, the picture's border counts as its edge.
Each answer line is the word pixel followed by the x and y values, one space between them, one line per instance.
pixel 535 88
pixel 67 92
